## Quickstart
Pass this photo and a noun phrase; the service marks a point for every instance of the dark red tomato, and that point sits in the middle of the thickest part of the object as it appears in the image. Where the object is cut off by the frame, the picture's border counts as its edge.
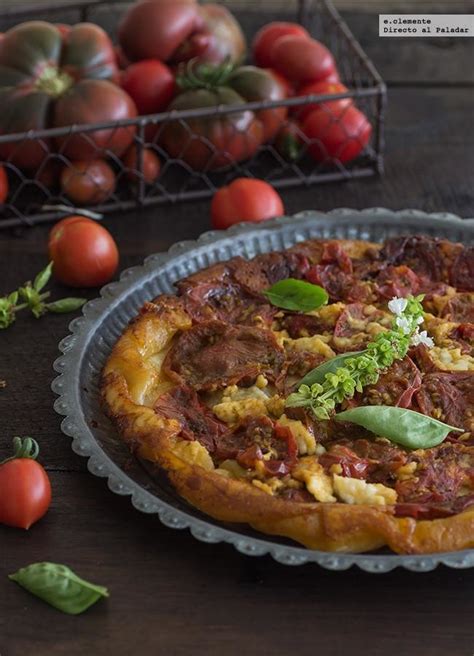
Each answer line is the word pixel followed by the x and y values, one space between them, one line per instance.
pixel 245 199
pixel 151 84
pixel 48 80
pixel 49 173
pixel 84 253
pixel 4 188
pixel 266 37
pixel 122 61
pixel 88 183
pixel 302 60
pixel 25 489
pixel 154 29
pixel 322 88
pixel 151 165
pixel 340 136
pixel 217 141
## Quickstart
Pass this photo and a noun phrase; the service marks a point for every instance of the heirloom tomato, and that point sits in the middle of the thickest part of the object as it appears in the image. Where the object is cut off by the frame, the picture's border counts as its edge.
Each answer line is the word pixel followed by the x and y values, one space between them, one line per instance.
pixel 212 142
pixel 88 183
pixel 25 489
pixel 245 199
pixel 154 29
pixel 83 252
pixel 341 135
pixel 50 80
pixel 219 38
pixel 323 88
pixel 151 85
pixel 302 60
pixel 266 37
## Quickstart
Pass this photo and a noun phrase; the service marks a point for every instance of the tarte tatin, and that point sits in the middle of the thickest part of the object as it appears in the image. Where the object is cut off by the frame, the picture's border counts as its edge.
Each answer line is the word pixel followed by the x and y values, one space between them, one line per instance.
pixel 198 384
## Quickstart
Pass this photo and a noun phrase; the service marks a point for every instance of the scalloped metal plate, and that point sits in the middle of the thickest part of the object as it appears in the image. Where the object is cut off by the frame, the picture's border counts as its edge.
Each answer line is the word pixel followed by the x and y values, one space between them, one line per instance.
pixel 85 349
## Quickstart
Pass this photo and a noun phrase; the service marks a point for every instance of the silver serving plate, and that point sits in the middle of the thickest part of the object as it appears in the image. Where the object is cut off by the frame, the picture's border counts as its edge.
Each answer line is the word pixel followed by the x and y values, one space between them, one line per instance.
pixel 92 336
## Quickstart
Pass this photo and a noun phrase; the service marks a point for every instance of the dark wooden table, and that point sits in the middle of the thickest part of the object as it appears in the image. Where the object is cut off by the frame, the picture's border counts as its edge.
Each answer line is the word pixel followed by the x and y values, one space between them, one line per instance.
pixel 171 594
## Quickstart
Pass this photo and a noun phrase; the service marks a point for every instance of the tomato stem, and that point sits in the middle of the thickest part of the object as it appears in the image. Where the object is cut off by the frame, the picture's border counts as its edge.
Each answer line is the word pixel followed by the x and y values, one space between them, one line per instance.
pixel 53 81
pixel 25 447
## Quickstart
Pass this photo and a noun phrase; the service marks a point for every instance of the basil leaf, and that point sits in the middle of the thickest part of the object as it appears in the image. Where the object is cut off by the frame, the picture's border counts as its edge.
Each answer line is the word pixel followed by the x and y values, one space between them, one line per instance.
pixel 317 374
pixel 66 305
pixel 59 587
pixel 406 427
pixel 42 278
pixel 296 295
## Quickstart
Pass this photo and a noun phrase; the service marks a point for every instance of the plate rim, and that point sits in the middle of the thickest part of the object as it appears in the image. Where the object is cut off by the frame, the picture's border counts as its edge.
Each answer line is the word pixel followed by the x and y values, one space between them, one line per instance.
pixel 101 465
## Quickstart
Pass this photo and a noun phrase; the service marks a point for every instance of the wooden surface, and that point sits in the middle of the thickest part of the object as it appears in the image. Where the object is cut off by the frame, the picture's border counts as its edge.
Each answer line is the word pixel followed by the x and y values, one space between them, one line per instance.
pixel 169 593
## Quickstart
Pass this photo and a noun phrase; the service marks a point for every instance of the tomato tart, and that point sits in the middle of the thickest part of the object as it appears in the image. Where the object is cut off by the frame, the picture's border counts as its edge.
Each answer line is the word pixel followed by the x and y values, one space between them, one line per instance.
pixel 345 427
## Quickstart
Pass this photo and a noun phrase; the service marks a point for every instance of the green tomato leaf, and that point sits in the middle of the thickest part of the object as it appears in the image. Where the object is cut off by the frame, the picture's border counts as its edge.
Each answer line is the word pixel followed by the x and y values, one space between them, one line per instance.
pixel 318 374
pixel 296 295
pixel 66 305
pixel 406 427
pixel 59 586
pixel 43 277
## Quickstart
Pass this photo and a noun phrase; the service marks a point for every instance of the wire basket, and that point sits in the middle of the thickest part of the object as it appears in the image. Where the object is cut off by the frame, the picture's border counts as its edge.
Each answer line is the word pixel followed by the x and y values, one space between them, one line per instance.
pixel 179 177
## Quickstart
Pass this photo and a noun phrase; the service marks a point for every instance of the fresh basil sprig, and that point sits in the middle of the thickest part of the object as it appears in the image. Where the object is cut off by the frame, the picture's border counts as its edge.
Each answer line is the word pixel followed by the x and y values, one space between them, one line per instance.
pixel 296 295
pixel 318 374
pixel 59 586
pixel 406 427
pixel 34 299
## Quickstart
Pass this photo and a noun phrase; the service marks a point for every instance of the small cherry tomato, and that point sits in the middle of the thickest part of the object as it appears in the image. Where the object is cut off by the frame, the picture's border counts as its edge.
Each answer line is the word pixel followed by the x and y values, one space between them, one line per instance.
pixel 266 37
pixel 151 84
pixel 83 252
pixel 340 135
pixel 25 489
pixel 151 165
pixel 302 60
pixel 88 182
pixel 322 88
pixel 4 187
pixel 245 199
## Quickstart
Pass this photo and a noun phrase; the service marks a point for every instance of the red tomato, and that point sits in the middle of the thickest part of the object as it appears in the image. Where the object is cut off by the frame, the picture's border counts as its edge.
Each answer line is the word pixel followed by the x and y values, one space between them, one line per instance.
pixel 245 199
pixel 302 60
pixel 84 253
pixel 266 37
pixel 151 165
pixel 4 188
pixel 25 489
pixel 340 135
pixel 151 84
pixel 322 88
pixel 88 183
pixel 64 29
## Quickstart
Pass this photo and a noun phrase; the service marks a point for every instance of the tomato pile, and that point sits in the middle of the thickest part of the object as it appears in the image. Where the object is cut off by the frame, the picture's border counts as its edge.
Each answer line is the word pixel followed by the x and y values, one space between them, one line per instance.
pixel 170 55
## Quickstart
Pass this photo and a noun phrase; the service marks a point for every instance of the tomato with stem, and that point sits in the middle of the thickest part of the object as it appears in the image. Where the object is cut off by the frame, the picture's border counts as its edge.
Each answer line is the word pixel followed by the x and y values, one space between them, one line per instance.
pixel 25 489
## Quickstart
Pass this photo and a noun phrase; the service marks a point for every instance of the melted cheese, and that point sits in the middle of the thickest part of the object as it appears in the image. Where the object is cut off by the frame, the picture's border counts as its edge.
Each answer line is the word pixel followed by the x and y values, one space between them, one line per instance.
pixel 358 491
pixel 318 483
pixel 315 344
pixel 304 438
pixel 194 453
pixel 451 359
pixel 237 403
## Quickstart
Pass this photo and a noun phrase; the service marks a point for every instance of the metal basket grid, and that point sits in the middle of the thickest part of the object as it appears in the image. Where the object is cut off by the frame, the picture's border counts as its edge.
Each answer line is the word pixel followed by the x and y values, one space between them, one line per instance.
pixel 31 190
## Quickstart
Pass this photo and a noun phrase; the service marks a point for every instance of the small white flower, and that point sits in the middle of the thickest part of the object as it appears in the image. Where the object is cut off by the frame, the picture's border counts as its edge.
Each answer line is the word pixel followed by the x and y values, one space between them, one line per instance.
pixel 403 324
pixel 397 305
pixel 422 338
pixel 419 321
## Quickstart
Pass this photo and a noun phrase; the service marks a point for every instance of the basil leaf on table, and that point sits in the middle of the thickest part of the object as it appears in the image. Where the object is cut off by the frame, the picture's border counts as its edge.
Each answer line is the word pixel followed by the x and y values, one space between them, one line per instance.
pixel 59 586
pixel 296 295
pixel 317 374
pixel 406 427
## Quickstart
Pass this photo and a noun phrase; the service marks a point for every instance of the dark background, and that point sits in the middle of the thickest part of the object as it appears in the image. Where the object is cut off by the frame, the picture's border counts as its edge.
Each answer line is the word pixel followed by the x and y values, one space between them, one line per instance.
pixel 171 594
